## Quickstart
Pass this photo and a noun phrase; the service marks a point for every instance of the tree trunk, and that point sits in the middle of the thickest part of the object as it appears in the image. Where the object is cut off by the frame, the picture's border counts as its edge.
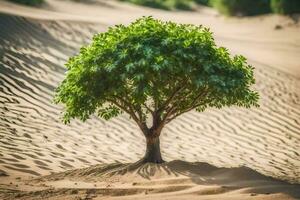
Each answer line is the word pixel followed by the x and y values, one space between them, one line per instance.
pixel 153 154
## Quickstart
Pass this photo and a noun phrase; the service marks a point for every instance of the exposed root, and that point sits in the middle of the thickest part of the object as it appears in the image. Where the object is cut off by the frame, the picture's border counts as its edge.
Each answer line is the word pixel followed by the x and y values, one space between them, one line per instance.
pixel 104 172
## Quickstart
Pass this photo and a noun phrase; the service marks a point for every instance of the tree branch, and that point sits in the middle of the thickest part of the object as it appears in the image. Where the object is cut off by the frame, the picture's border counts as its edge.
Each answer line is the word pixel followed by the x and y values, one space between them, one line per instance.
pixel 148 108
pixel 193 105
pixel 184 111
pixel 162 122
pixel 140 123
pixel 170 98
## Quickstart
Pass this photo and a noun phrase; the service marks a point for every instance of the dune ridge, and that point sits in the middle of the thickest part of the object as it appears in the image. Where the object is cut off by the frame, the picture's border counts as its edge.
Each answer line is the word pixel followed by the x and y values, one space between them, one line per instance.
pixel 255 37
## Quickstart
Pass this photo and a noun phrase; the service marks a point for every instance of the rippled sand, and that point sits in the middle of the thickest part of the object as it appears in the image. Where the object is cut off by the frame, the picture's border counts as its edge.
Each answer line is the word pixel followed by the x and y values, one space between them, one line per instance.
pixel 34 142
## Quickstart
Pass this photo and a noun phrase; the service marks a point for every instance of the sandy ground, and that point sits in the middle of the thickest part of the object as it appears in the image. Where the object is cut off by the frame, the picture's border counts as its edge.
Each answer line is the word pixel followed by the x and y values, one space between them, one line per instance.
pixel 36 42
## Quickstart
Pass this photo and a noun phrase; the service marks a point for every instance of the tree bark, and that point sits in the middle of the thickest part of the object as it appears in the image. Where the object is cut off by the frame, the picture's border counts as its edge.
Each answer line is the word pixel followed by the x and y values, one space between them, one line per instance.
pixel 153 154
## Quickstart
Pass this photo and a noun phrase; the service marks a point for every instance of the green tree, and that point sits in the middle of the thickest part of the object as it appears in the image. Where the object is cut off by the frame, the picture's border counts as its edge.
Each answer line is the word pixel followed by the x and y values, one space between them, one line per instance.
pixel 28 2
pixel 154 71
pixel 241 7
pixel 285 6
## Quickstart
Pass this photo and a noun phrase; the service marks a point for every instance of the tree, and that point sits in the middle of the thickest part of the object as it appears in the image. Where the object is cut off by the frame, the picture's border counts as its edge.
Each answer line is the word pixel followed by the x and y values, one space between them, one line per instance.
pixel 241 7
pixel 29 2
pixel 285 6
pixel 153 70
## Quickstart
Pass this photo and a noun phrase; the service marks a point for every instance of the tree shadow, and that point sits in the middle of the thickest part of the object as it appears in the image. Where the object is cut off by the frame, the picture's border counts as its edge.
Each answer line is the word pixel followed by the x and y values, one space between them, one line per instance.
pixel 199 173
pixel 202 173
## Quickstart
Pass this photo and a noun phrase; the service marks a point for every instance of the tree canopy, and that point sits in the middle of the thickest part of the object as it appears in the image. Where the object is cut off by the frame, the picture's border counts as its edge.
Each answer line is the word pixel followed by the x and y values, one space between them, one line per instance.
pixel 153 68
pixel 28 2
pixel 242 7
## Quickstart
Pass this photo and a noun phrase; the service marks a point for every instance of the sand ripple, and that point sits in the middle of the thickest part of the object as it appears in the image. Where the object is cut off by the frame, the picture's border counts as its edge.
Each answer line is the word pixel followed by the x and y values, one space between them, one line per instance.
pixel 33 141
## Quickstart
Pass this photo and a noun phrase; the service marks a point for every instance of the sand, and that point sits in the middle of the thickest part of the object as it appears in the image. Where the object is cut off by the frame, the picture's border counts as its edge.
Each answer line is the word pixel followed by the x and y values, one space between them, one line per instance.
pixel 36 42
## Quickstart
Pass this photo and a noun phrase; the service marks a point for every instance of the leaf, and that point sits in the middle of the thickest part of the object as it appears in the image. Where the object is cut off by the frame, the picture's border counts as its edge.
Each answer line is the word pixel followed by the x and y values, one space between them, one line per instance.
pixel 127 67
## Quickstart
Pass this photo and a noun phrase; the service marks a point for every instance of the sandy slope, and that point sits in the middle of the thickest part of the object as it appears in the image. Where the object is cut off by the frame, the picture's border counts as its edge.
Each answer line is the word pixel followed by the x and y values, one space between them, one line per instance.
pixel 171 180
pixel 252 37
pixel 34 142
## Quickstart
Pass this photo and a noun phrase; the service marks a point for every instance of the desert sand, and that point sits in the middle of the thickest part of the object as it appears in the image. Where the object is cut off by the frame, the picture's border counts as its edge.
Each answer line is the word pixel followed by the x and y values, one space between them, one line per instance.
pixel 231 153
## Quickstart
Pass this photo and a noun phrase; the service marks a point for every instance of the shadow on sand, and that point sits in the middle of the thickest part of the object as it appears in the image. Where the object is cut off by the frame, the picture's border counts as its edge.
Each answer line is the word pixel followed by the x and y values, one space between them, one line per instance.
pixel 180 172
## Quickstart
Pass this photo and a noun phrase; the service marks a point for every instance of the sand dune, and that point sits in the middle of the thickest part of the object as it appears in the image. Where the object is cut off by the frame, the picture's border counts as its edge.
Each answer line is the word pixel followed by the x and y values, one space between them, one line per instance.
pixel 171 180
pixel 34 142
pixel 255 37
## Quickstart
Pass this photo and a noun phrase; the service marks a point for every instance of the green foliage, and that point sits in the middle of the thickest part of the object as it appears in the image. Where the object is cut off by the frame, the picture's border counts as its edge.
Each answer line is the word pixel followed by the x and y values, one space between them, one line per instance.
pixel 285 6
pixel 169 4
pixel 203 2
pixel 28 2
pixel 228 7
pixel 241 7
pixel 164 4
pixel 156 67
